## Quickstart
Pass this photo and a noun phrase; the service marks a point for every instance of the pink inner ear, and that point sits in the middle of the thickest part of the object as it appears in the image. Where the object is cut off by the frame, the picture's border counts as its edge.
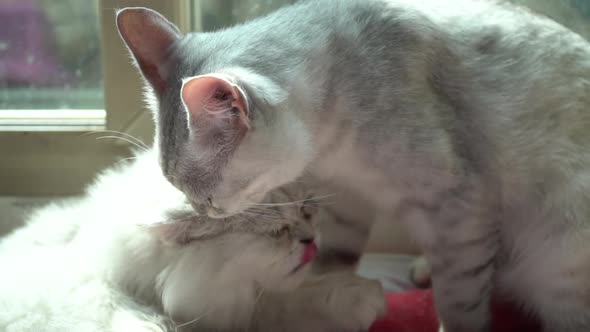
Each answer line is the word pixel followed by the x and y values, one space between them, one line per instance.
pixel 214 95
pixel 149 36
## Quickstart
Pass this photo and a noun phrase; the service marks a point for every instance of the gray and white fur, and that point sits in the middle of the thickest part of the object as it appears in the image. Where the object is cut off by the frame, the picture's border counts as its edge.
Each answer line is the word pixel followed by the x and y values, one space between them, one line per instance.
pixel 466 120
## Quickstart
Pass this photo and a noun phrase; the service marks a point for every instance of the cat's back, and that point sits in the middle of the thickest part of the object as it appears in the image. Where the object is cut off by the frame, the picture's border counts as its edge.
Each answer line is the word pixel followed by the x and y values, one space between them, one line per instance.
pixel 501 46
pixel 520 80
pixel 526 76
pixel 368 35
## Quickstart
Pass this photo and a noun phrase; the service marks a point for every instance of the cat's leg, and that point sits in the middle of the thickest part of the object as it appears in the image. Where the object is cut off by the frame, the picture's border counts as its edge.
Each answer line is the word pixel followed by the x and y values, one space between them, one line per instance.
pixel 342 242
pixel 334 302
pixel 563 303
pixel 462 260
pixel 459 235
pixel 553 281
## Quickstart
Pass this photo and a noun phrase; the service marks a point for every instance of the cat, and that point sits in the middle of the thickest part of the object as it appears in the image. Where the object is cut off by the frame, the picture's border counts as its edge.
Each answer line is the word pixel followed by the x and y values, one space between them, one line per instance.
pixel 132 256
pixel 466 120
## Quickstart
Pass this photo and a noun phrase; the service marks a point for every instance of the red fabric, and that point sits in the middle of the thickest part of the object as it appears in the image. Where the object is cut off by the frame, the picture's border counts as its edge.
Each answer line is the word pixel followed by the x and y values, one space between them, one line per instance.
pixel 413 311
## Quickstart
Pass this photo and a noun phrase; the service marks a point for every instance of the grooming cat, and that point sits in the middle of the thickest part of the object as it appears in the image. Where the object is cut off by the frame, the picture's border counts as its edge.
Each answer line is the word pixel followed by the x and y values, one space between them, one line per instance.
pixel 467 120
pixel 133 256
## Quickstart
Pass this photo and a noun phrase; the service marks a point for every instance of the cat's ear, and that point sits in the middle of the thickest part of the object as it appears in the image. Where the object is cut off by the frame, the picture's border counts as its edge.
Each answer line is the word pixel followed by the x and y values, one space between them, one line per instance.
pixel 214 98
pixel 149 36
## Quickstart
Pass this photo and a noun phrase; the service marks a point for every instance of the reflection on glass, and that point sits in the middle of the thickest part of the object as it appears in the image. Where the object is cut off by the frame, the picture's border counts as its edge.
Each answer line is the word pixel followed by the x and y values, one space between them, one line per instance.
pixel 217 14
pixel 50 55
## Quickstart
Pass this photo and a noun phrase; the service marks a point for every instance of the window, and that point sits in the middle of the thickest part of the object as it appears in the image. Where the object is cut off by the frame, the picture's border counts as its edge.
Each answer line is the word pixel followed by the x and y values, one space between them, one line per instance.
pixel 50 66
pixel 65 82
pixel 64 73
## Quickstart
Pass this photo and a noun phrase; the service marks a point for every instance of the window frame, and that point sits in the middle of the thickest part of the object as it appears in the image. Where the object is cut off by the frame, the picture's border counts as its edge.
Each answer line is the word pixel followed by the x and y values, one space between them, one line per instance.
pixel 61 160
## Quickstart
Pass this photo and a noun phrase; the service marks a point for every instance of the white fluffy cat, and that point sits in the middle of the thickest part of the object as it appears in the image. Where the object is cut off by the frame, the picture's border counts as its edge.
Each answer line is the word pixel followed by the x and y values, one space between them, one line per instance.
pixel 132 256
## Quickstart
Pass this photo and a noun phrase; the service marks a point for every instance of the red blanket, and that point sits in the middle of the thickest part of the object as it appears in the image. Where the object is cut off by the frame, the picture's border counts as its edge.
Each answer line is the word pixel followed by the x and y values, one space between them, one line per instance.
pixel 413 311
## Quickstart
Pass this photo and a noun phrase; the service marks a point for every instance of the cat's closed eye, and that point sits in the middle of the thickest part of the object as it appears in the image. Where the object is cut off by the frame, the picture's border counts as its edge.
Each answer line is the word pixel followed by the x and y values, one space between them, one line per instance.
pixel 283 231
pixel 308 208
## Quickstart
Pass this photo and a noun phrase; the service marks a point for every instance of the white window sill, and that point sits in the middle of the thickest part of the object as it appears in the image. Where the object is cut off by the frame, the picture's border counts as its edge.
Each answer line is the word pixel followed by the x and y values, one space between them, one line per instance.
pixel 53 120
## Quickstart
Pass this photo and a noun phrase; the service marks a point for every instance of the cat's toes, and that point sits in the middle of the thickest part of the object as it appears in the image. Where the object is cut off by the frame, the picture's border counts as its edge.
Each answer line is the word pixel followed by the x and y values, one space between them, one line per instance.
pixel 420 272
pixel 358 303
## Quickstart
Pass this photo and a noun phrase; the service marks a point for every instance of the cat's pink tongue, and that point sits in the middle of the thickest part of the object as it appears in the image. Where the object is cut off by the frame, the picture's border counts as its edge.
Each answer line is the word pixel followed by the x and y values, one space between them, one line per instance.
pixel 309 253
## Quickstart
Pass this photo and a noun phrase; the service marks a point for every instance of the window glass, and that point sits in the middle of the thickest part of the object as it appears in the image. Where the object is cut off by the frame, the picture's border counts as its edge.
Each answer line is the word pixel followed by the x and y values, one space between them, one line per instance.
pixel 50 55
pixel 216 14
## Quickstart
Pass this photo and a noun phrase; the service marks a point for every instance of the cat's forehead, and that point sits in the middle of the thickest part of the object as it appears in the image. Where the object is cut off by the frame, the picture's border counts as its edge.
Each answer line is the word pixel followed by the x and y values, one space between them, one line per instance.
pixel 192 57
pixel 202 53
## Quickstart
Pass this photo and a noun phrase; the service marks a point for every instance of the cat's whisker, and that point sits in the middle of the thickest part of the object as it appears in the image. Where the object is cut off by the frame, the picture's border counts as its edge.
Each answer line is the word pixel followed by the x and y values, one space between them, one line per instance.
pixel 266 212
pixel 126 140
pixel 191 322
pixel 294 202
pixel 277 204
pixel 251 221
pixel 266 216
pixel 322 203
pixel 259 219
pixel 258 297
pixel 129 136
pixel 256 301
pixel 317 198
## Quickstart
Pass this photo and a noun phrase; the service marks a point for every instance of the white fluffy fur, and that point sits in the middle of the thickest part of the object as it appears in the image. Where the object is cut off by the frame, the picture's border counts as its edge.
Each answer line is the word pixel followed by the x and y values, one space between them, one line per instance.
pixel 87 265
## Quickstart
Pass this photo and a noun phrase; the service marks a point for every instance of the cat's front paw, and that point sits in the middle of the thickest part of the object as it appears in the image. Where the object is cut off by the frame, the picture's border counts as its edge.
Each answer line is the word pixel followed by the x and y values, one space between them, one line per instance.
pixel 354 303
pixel 421 273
